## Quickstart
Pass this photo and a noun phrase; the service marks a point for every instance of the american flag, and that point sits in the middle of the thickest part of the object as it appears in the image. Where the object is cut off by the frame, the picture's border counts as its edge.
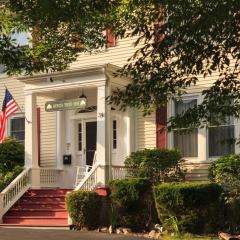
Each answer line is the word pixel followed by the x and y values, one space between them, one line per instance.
pixel 9 107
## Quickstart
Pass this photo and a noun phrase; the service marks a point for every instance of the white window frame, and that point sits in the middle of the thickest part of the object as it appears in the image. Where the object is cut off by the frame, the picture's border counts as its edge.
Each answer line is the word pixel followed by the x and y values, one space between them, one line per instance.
pixel 236 135
pixel 203 148
pixel 201 137
pixel 14 116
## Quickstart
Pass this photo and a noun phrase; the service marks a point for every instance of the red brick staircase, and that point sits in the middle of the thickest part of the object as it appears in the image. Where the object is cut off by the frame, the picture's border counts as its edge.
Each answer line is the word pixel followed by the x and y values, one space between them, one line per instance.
pixel 43 207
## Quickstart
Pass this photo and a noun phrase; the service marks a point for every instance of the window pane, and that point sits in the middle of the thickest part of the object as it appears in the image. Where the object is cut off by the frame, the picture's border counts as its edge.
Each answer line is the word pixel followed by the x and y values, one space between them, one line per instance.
pixel 182 106
pixel 221 140
pixel 114 134
pixel 2 68
pixel 186 143
pixel 18 124
pixel 18 129
pixel 79 137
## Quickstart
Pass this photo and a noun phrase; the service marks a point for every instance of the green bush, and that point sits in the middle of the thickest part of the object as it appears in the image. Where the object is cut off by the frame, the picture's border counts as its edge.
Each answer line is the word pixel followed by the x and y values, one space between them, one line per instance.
pixel 11 155
pixel 190 207
pixel 132 201
pixel 159 165
pixel 84 209
pixel 7 178
pixel 226 171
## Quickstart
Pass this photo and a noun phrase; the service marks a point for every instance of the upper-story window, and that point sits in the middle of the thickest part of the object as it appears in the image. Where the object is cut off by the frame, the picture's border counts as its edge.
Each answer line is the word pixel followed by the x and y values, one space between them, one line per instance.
pixel 221 139
pixel 17 128
pixel 185 142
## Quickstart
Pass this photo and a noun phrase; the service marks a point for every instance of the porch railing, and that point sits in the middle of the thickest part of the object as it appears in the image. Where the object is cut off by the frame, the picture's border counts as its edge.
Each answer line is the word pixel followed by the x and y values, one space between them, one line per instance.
pixel 119 172
pixel 90 181
pixel 29 177
pixel 10 195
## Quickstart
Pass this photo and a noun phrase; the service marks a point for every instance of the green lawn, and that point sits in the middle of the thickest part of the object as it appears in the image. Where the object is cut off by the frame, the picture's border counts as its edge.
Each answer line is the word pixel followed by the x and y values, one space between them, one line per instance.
pixel 189 237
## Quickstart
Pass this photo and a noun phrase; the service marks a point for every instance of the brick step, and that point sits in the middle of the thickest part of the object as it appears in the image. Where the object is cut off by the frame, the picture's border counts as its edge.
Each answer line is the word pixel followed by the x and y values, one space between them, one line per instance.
pixel 33 221
pixel 44 192
pixel 37 213
pixel 45 196
pixel 39 206
pixel 42 200
pixel 44 207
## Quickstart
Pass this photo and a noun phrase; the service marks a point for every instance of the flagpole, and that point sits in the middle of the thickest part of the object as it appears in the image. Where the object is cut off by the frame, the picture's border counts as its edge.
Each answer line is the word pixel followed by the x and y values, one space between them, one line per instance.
pixel 19 107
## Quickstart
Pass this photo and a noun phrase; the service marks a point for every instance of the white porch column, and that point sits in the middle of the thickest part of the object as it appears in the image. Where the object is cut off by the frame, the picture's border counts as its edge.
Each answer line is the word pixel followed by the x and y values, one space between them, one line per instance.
pixel 103 133
pixel 60 138
pixel 128 131
pixel 31 142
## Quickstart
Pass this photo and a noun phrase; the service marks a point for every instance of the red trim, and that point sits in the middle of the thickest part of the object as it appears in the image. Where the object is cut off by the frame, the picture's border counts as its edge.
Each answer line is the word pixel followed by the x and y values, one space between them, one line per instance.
pixel 110 38
pixel 161 124
pixel 38 134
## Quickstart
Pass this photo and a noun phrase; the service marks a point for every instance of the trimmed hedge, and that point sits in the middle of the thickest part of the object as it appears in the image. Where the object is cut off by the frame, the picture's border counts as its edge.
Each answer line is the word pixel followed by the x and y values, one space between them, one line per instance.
pixel 226 171
pixel 190 207
pixel 159 165
pixel 132 201
pixel 84 209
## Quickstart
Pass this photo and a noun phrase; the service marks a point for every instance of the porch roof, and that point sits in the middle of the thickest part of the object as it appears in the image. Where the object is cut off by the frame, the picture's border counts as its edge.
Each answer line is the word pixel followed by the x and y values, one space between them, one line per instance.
pixel 81 77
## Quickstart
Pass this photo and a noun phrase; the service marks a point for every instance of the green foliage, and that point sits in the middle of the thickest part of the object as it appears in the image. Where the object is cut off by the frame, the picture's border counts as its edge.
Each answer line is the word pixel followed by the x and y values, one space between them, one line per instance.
pixel 226 171
pixel 159 165
pixel 133 203
pixel 178 43
pixel 7 178
pixel 190 207
pixel 84 209
pixel 11 155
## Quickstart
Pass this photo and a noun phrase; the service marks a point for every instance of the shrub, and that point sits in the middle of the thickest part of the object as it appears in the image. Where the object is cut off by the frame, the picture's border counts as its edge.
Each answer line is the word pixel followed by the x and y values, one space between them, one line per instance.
pixel 159 165
pixel 7 178
pixel 132 201
pixel 11 155
pixel 84 209
pixel 189 207
pixel 226 171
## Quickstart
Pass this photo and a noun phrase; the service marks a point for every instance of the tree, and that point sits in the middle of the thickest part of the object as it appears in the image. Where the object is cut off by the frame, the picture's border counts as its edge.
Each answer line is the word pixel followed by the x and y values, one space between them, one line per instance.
pixel 178 41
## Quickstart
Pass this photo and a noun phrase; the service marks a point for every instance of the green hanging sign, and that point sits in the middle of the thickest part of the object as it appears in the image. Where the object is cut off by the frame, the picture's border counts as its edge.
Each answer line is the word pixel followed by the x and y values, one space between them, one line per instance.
pixel 52 106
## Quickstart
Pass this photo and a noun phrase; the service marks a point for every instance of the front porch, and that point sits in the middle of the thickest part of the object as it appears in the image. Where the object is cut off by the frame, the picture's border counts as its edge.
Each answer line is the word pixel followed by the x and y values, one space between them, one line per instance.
pixel 91 143
pixel 97 135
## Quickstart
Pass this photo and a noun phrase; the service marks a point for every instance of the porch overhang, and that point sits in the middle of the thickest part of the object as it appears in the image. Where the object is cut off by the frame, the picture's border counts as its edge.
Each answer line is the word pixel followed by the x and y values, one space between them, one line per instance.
pixel 75 78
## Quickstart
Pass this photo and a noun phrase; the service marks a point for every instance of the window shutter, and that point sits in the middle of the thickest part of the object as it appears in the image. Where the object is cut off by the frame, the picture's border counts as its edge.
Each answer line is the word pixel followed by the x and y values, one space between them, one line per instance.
pixel 110 39
pixel 161 124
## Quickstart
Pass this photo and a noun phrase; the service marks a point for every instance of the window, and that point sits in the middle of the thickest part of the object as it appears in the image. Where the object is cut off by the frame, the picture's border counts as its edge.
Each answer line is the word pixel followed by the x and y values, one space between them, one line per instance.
pixel 221 139
pixel 17 128
pixel 2 68
pixel 185 142
pixel 114 134
pixel 79 137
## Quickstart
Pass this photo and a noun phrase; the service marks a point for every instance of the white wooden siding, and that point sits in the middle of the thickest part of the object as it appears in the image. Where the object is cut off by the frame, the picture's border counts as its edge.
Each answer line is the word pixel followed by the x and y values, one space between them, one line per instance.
pixel 47 135
pixel 145 131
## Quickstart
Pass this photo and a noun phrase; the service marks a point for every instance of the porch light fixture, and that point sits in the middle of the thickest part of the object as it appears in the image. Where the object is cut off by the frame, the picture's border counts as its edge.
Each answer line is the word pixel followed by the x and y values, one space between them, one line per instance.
pixel 83 101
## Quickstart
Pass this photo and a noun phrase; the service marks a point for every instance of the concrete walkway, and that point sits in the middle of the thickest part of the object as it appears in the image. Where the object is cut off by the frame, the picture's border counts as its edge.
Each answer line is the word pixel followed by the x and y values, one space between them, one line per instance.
pixel 58 234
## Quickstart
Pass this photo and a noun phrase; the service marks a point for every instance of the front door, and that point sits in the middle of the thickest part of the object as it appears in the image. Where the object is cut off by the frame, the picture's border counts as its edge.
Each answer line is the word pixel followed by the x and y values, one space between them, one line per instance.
pixel 91 140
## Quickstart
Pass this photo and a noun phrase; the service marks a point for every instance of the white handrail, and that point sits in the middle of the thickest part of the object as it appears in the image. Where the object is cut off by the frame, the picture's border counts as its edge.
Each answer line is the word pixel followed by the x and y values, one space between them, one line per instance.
pixel 90 181
pixel 10 195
